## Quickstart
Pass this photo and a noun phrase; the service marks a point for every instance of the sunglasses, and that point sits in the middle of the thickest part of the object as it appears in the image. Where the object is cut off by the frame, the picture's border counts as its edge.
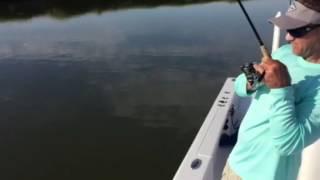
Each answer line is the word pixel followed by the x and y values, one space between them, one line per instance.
pixel 299 32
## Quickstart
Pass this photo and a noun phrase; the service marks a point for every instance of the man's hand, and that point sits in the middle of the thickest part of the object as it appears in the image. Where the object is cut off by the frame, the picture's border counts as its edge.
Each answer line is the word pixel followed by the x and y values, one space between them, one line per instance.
pixel 275 73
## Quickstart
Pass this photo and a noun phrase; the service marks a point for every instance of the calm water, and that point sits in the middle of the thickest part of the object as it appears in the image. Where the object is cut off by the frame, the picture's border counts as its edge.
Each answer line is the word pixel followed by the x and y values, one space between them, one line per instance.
pixel 116 91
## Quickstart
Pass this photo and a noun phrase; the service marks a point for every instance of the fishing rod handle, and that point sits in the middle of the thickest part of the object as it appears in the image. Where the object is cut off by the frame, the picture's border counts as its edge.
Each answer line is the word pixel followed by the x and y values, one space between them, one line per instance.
pixel 265 52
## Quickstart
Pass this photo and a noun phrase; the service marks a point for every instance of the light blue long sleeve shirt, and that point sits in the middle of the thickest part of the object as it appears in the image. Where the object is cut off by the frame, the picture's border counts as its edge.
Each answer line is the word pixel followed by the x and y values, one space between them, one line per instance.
pixel 279 123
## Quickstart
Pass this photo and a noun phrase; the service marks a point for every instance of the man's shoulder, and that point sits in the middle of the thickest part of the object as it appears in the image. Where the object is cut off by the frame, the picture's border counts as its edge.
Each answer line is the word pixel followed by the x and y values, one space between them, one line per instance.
pixel 283 51
pixel 285 54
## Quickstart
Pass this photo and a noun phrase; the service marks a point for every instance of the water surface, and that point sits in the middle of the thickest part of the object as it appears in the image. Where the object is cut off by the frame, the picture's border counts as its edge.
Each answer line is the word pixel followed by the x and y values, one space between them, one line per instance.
pixel 94 90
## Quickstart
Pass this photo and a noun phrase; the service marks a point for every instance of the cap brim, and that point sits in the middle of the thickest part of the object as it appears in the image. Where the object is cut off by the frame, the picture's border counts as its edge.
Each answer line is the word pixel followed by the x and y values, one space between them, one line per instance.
pixel 286 22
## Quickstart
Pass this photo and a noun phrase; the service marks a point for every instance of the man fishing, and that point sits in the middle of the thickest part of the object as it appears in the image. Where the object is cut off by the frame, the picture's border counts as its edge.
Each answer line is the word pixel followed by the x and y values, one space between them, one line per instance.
pixel 284 116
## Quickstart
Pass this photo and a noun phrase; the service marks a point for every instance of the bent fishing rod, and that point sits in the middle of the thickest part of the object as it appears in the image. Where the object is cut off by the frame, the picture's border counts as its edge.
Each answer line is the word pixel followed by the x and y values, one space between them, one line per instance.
pixel 263 49
pixel 254 78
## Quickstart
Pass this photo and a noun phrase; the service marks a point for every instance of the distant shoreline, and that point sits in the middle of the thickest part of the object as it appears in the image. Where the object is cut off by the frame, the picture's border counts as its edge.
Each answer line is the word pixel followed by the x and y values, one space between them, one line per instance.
pixel 11 10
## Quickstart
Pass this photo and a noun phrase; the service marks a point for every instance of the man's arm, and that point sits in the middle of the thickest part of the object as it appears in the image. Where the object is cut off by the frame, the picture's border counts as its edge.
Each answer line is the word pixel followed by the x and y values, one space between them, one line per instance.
pixel 242 87
pixel 292 128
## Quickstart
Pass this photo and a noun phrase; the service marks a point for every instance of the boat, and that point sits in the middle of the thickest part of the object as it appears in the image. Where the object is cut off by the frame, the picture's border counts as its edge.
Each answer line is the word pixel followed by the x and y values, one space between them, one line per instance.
pixel 216 137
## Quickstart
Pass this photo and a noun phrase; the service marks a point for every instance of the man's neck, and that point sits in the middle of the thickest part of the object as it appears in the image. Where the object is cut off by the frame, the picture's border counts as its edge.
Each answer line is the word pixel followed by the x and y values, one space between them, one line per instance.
pixel 314 58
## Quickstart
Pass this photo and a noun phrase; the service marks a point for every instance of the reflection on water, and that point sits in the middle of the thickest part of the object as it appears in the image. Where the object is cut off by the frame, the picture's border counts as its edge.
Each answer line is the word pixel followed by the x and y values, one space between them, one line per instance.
pixel 119 95
pixel 88 120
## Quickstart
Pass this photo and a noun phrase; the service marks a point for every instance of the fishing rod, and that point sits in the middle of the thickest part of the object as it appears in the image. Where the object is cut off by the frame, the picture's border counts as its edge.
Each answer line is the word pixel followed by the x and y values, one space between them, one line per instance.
pixel 254 78
pixel 263 49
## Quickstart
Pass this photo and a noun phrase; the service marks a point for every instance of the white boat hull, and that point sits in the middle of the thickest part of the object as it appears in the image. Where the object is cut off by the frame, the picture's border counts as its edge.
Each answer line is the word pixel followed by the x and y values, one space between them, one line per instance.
pixel 206 158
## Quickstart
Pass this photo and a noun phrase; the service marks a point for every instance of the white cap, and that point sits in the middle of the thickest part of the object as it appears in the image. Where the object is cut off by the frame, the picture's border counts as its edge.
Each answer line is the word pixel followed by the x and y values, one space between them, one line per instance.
pixel 298 15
